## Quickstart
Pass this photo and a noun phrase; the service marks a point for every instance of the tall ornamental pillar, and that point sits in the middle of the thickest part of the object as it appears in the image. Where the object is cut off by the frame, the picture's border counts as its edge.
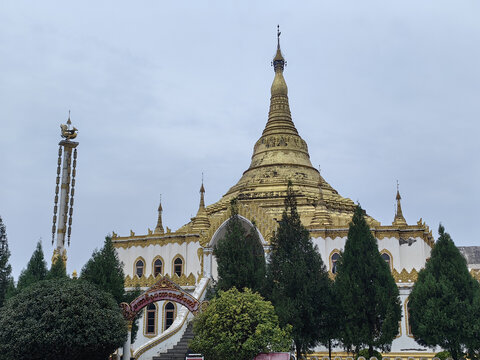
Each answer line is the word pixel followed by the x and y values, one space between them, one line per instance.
pixel 64 190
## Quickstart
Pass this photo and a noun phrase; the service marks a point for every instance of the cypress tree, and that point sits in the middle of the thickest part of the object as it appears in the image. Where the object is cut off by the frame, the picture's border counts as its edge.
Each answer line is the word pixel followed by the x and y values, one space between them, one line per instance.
pixel 444 303
pixel 58 270
pixel 105 270
pixel 6 279
pixel 36 269
pixel 297 281
pixel 367 293
pixel 240 256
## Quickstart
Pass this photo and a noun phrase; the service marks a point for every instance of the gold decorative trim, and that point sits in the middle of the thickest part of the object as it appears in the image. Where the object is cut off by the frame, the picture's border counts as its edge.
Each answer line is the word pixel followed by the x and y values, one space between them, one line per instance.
pixel 404 276
pixel 200 258
pixel 144 240
pixel 265 224
pixel 407 319
pixel 144 281
pixel 475 274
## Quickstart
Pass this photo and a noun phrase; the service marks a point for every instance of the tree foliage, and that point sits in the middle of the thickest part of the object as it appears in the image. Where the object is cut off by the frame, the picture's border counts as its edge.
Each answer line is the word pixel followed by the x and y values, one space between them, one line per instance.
pixel 6 279
pixel 238 325
pixel 105 270
pixel 36 269
pixel 444 304
pixel 58 269
pixel 61 319
pixel 297 281
pixel 367 293
pixel 240 256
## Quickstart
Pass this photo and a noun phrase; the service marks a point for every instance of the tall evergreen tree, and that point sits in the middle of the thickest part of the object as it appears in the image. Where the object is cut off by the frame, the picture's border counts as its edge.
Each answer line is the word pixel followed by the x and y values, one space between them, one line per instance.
pixel 444 304
pixel 297 281
pixel 6 279
pixel 36 269
pixel 240 256
pixel 58 270
pixel 105 270
pixel 366 290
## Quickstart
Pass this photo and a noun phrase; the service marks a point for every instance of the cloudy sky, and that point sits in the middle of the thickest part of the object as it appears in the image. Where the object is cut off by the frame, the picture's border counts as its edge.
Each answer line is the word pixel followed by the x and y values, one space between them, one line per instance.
pixel 162 91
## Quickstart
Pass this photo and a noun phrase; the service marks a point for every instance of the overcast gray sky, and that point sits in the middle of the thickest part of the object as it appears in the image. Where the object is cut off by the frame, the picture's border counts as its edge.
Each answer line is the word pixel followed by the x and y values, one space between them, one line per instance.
pixel 162 91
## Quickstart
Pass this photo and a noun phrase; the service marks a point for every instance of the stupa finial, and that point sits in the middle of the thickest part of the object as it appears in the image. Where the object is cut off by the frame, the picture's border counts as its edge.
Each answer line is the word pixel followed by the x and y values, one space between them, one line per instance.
pixel 159 227
pixel 278 61
pixel 399 219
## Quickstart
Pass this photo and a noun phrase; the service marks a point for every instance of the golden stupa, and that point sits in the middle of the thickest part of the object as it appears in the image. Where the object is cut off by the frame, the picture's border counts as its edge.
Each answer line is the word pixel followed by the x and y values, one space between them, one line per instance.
pixel 280 155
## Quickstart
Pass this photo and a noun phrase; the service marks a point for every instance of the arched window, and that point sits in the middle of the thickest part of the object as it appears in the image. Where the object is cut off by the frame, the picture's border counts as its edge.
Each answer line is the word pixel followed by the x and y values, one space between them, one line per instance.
pixel 157 267
pixel 139 268
pixel 178 266
pixel 168 315
pixel 385 254
pixel 151 320
pixel 334 259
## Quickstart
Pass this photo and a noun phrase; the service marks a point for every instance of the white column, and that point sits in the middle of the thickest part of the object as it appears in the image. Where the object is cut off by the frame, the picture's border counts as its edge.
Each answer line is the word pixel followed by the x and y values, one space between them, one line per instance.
pixel 68 146
pixel 207 262
pixel 267 250
pixel 127 344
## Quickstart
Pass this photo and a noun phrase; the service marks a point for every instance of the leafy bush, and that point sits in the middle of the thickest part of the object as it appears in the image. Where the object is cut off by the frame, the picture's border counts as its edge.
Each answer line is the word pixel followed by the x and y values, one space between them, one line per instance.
pixel 443 355
pixel 238 325
pixel 364 353
pixel 61 319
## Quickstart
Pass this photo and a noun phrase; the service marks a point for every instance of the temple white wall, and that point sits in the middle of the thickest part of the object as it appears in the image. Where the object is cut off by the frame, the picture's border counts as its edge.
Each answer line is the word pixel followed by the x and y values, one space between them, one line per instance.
pixel 406 255
pixel 168 252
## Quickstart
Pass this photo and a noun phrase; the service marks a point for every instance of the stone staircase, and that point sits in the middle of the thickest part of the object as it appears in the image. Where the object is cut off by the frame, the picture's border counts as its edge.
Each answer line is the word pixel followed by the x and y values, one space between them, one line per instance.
pixel 180 350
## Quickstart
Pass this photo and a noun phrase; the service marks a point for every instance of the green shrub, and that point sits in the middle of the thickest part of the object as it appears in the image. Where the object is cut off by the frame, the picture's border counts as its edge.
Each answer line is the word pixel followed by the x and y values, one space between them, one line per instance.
pixel 364 353
pixel 443 355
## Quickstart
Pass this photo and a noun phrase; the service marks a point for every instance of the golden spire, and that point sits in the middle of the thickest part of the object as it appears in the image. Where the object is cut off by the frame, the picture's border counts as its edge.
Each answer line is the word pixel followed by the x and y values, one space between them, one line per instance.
pixel 279 117
pixel 200 221
pixel 399 219
pixel 159 227
pixel 280 154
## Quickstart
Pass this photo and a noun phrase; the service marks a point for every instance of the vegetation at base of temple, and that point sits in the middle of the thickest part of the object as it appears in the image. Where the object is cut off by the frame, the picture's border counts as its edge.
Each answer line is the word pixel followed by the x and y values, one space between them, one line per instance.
pixel 105 270
pixel 58 270
pixel 365 353
pixel 61 319
pixel 367 294
pixel 444 304
pixel 35 271
pixel 297 281
pixel 240 256
pixel 6 279
pixel 238 325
